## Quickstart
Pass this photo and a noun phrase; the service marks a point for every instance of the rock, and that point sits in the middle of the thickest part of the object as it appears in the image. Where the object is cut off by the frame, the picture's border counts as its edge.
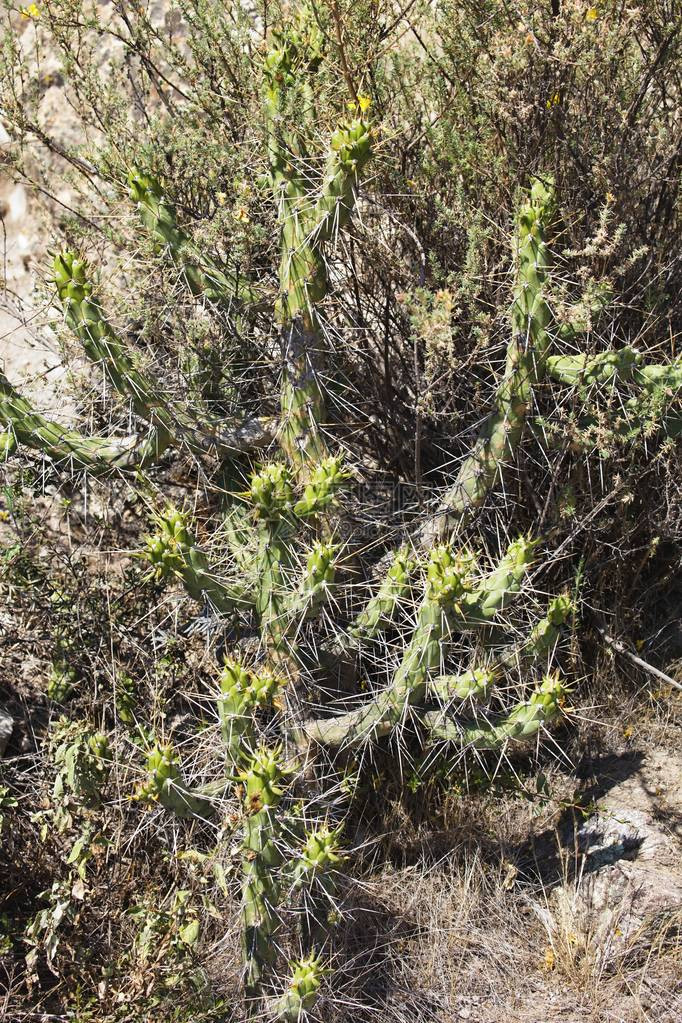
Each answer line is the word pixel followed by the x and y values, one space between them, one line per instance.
pixel 630 872
pixel 6 726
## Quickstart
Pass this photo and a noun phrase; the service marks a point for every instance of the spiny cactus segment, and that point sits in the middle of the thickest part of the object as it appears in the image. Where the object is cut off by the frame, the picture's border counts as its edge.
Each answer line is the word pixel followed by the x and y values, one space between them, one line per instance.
pixel 527 352
pixel 475 685
pixel 271 491
pixel 202 273
pixel 172 552
pixel 302 993
pixel 263 779
pixel 520 725
pixel 242 693
pixel 164 783
pixel 326 479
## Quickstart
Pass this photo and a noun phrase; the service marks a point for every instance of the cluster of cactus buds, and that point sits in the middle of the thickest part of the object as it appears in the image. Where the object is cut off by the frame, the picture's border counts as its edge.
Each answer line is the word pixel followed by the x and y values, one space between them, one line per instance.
pixel 316 875
pixel 448 576
pixel 262 778
pixel 173 553
pixel 319 854
pixel 319 572
pixel 166 549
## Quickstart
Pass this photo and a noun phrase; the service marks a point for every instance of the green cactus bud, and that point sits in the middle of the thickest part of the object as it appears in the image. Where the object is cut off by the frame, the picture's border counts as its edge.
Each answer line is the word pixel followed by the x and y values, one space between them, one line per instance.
pixel 320 565
pixel 319 853
pixel 166 549
pixel 448 576
pixel 126 699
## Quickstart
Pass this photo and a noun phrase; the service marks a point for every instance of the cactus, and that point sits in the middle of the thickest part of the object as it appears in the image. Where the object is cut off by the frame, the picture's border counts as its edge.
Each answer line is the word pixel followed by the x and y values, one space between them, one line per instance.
pixel 657 386
pixel 203 275
pixel 543 637
pixel 326 479
pixel 84 315
pixel 474 685
pixel 242 692
pixel 452 603
pixel 315 875
pixel 24 425
pixel 170 427
pixel 164 783
pixel 531 328
pixel 262 777
pixel 302 992
pixel 278 534
pixel 310 213
pixel 172 552
pixel 521 724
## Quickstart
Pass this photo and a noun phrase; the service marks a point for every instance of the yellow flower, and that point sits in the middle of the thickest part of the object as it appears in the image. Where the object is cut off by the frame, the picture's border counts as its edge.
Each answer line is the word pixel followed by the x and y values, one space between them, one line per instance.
pixel 592 14
pixel 553 101
pixel 241 214
pixel 364 102
pixel 31 11
pixel 627 731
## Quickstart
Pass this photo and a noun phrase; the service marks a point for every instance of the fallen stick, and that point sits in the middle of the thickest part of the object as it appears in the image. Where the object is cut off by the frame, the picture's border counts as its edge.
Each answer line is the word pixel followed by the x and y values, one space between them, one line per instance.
pixel 622 649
